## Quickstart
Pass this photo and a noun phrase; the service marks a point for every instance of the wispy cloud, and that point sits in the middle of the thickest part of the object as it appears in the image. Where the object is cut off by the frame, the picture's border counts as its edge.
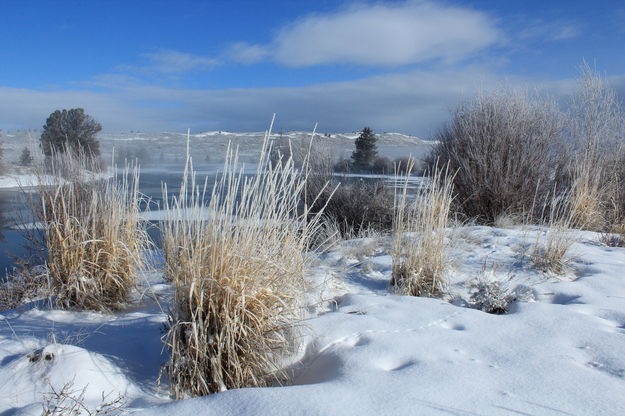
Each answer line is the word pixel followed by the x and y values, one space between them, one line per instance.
pixel 170 62
pixel 550 30
pixel 246 53
pixel 382 34
pixel 414 102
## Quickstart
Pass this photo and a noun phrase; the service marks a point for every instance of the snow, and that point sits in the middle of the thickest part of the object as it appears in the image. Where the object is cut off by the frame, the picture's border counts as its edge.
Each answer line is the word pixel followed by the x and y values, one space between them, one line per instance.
pixel 30 180
pixel 19 181
pixel 368 352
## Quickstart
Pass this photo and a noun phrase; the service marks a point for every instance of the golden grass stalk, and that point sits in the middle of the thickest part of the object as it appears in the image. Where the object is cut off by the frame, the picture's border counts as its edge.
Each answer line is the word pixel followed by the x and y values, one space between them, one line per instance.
pixel 419 252
pixel 237 263
pixel 587 195
pixel 93 234
pixel 561 218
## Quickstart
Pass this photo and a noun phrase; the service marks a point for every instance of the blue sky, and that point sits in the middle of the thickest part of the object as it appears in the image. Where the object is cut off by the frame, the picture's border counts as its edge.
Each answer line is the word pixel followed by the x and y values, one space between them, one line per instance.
pixel 228 65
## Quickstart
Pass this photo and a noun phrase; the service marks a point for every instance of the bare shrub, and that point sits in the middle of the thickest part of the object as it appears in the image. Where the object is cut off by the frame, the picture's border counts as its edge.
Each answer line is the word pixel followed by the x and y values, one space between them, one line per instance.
pixel 350 203
pixel 23 285
pixel 596 124
pixel 70 401
pixel 503 147
pixel 343 166
pixel 93 234
pixel 417 165
pixel 596 114
pixel 419 255
pixel 383 165
pixel 358 206
pixel 237 265
pixel 612 240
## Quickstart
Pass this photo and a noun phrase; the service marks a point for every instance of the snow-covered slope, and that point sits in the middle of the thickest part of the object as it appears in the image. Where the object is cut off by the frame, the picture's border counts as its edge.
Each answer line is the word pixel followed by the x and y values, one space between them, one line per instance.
pixel 559 352
pixel 170 147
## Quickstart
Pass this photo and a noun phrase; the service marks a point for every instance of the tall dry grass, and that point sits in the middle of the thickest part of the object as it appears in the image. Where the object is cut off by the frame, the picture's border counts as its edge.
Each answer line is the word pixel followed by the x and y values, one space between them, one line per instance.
pixel 587 194
pixel 419 252
pixel 237 262
pixel 560 219
pixel 93 235
pixel 596 124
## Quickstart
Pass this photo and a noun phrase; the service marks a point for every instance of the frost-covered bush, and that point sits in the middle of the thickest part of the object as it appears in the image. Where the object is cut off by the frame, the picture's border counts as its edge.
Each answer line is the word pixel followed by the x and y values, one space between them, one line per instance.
pixel 596 126
pixel 612 240
pixel 503 147
pixel 494 296
pixel 352 204
pixel 22 286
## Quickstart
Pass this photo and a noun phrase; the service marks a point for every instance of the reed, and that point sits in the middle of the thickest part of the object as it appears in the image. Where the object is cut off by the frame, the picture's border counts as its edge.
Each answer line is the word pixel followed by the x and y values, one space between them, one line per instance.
pixel 236 255
pixel 419 251
pixel 93 235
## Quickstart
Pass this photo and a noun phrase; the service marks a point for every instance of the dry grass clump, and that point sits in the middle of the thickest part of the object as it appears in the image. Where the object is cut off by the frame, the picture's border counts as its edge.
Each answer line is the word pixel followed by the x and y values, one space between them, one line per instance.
pixel 93 234
pixel 561 219
pixel 419 255
pixel 237 264
pixel 587 195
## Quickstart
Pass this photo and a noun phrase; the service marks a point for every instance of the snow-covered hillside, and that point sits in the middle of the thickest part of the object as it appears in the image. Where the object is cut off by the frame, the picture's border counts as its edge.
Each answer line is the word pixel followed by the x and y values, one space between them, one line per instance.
pixel 559 351
pixel 170 147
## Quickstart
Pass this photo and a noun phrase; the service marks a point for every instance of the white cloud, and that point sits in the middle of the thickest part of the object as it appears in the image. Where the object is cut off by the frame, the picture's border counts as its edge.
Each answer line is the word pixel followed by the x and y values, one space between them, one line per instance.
pixel 416 102
pixel 170 62
pixel 382 34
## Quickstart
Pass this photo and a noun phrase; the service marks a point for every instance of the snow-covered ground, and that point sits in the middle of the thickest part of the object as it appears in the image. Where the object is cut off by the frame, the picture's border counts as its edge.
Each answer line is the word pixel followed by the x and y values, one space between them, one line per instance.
pixel 18 181
pixel 561 351
pixel 29 180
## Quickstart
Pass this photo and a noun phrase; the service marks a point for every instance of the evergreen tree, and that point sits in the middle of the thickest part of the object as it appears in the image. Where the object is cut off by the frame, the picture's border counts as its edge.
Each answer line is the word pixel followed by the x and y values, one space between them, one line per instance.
pixel 26 159
pixel 72 130
pixel 366 150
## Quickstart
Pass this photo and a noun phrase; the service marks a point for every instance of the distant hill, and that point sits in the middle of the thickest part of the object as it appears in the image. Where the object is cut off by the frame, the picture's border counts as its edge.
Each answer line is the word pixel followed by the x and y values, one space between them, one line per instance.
pixel 211 146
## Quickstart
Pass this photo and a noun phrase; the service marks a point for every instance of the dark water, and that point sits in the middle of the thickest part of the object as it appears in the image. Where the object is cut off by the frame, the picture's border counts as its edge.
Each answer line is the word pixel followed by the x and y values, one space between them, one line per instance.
pixel 14 210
